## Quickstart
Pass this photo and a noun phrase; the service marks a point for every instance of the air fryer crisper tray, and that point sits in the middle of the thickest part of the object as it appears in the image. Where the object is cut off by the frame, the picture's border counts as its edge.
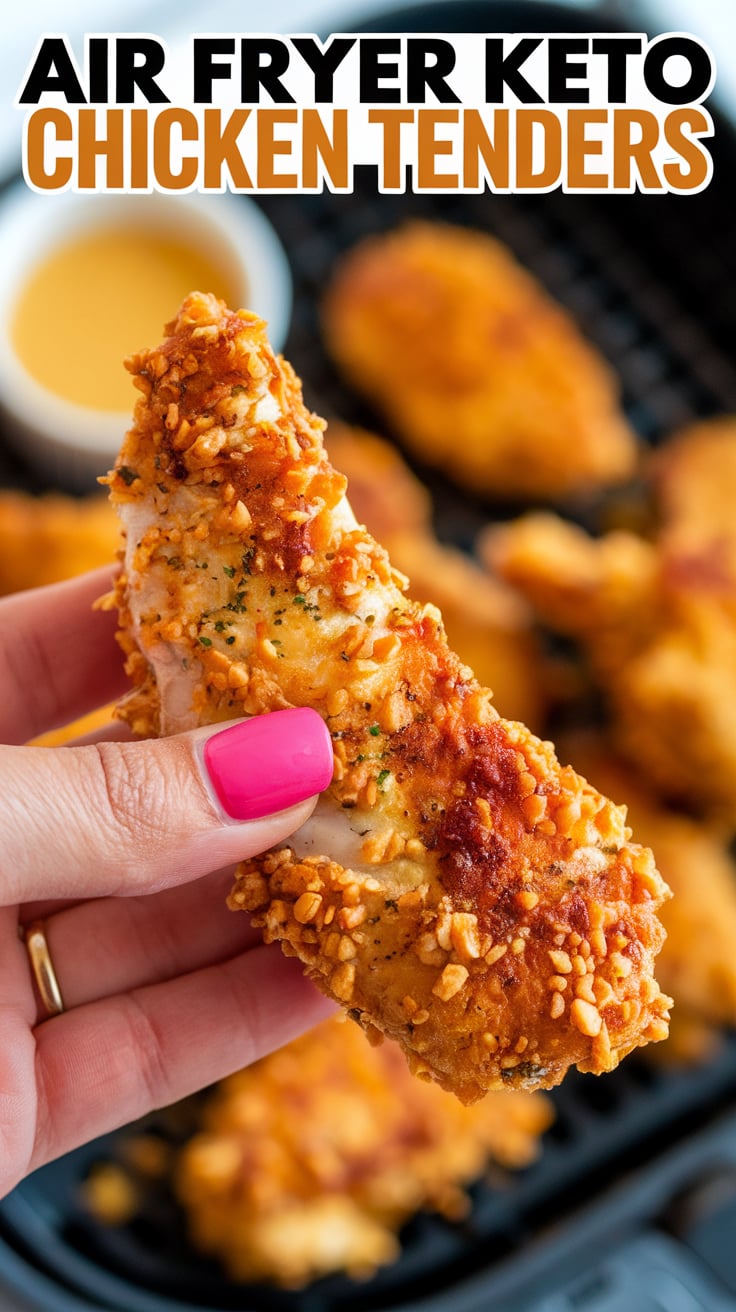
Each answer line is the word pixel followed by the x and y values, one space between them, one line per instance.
pixel 652 281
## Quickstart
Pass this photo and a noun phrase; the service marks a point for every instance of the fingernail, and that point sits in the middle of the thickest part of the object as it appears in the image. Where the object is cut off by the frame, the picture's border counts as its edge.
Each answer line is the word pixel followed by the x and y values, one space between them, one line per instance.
pixel 269 763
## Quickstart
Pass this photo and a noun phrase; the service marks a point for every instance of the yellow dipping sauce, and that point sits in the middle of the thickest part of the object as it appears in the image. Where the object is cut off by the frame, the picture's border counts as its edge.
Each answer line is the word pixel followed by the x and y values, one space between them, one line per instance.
pixel 96 300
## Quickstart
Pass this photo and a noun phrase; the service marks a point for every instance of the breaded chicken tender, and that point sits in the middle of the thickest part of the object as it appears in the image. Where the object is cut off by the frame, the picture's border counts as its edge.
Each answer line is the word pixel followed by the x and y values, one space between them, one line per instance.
pixel 476 368
pixel 694 476
pixel 455 889
pixel 487 624
pixel 657 624
pixel 311 1160
pixel 53 537
pixel 697 964
pixel 384 493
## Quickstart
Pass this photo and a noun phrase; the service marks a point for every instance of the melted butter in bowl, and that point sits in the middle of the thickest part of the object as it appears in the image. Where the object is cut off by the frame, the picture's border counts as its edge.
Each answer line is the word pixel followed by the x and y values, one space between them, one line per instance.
pixel 87 280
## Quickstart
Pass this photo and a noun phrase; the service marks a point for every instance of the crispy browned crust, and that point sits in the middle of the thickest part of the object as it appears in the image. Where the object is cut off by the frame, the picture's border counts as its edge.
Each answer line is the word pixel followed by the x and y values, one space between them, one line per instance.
pixel 697 964
pixel 498 924
pixel 476 368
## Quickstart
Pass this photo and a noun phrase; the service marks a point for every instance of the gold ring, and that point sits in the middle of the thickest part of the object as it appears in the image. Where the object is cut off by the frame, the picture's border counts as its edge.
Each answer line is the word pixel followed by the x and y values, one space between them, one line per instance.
pixel 43 969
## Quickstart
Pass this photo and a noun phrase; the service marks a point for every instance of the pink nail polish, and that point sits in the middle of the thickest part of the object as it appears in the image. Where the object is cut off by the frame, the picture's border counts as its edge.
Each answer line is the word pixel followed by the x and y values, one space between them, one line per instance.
pixel 269 763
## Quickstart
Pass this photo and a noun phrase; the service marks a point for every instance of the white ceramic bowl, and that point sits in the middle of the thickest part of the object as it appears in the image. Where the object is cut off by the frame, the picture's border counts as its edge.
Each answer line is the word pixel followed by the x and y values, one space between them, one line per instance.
pixel 70 444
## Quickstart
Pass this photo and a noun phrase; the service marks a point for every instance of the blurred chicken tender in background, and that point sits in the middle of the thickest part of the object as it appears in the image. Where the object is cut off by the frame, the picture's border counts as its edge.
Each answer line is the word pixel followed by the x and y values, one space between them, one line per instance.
pixel 53 537
pixel 694 476
pixel 656 620
pixel 476 368
pixel 48 539
pixel 488 624
pixel 311 1160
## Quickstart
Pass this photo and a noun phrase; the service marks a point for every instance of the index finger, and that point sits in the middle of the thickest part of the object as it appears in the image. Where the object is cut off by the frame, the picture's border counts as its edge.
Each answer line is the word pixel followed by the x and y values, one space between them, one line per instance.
pixel 58 656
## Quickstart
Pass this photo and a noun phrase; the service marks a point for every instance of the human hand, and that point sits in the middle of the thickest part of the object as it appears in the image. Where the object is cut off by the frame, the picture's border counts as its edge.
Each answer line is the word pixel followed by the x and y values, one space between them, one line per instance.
pixel 111 846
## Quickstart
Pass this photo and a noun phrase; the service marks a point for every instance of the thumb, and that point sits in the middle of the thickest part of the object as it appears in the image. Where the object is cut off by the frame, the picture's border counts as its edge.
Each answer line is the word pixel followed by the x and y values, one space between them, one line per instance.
pixel 120 818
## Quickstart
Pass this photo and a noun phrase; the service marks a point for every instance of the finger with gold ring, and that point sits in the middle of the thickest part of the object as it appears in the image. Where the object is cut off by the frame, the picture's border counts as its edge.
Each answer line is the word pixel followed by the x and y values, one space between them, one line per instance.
pixel 42 967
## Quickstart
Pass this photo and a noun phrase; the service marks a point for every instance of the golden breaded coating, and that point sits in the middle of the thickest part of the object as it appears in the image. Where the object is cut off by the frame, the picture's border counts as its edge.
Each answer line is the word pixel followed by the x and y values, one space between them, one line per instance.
pixel 384 493
pixel 311 1160
pixel 697 964
pixel 476 368
pixel 694 476
pixel 488 626
pixel 455 889
pixel 657 623
pixel 53 537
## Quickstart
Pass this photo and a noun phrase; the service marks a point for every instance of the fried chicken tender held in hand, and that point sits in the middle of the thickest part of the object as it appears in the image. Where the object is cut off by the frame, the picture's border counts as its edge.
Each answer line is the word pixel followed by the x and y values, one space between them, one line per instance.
pixel 657 623
pixel 479 372
pixel 455 888
pixel 697 964
pixel 487 624
pixel 311 1160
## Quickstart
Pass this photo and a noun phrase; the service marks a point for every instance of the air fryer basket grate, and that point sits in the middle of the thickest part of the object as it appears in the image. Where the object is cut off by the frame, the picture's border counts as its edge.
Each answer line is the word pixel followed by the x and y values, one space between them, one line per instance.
pixel 605 1130
pixel 651 281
